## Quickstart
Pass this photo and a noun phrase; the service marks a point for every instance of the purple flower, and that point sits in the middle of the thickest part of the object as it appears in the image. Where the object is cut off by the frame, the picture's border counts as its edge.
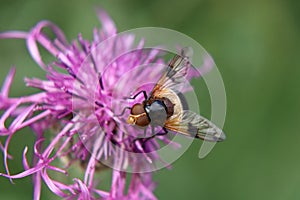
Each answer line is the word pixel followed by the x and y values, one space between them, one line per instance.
pixel 74 112
pixel 78 115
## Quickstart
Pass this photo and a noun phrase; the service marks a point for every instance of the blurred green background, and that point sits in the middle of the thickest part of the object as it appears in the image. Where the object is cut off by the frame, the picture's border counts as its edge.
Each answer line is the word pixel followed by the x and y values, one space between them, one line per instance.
pixel 255 44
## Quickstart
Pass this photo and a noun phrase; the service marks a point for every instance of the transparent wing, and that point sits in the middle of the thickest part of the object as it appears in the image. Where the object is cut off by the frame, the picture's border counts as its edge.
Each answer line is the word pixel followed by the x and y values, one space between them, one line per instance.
pixel 194 125
pixel 175 75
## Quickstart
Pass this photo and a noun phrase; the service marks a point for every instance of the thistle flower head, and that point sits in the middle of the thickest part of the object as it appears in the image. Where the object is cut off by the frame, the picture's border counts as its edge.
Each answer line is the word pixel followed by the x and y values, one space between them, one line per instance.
pixel 78 115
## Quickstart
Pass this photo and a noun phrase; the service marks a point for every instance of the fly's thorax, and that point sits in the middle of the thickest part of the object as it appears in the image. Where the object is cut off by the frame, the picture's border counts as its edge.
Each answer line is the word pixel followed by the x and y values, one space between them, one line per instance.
pixel 174 101
pixel 157 112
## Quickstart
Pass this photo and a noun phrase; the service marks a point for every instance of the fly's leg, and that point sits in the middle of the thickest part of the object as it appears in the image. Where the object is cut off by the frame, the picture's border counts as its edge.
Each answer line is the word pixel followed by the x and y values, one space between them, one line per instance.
pixel 143 141
pixel 137 94
pixel 164 132
pixel 123 111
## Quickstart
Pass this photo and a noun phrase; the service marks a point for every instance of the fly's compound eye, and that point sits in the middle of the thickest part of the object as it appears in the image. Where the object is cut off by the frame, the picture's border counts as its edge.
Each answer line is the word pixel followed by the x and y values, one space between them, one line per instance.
pixel 137 109
pixel 138 116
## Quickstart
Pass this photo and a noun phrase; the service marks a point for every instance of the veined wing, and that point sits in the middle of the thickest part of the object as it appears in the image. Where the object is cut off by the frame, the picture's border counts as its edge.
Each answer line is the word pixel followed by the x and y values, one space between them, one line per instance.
pixel 175 75
pixel 194 125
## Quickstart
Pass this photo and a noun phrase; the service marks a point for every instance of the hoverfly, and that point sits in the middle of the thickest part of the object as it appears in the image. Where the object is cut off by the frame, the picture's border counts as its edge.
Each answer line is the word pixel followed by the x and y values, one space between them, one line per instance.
pixel 165 107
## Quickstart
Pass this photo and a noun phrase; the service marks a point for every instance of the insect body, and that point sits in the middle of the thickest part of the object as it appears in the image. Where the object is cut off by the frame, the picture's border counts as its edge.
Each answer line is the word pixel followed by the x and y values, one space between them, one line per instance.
pixel 166 108
pixel 155 110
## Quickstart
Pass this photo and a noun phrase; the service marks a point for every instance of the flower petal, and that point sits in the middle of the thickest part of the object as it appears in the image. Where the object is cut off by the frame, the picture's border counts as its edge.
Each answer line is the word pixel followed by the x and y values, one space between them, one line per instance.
pixel 8 81
pixel 108 25
pixel 14 35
